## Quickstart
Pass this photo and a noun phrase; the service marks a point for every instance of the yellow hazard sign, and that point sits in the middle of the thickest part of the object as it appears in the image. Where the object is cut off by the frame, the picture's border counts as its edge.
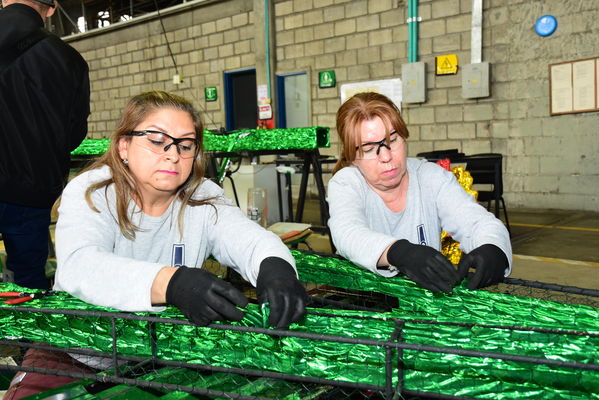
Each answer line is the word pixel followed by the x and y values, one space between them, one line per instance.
pixel 447 64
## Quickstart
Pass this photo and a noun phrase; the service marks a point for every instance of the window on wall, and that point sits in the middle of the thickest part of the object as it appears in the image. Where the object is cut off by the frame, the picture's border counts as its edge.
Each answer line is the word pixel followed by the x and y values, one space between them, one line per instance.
pixel 78 16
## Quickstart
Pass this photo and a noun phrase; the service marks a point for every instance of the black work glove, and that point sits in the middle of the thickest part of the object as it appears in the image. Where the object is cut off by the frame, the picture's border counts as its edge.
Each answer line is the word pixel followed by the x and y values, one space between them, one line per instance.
pixel 202 297
pixel 490 263
pixel 424 265
pixel 278 285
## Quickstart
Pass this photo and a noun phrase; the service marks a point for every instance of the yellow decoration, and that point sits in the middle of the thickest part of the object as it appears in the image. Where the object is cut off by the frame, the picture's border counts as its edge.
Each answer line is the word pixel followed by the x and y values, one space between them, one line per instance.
pixel 465 180
pixel 449 247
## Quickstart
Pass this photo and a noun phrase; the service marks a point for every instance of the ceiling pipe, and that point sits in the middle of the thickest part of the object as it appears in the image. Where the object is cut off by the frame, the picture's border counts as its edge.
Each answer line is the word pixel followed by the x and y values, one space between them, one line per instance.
pixel 413 20
pixel 267 44
pixel 476 34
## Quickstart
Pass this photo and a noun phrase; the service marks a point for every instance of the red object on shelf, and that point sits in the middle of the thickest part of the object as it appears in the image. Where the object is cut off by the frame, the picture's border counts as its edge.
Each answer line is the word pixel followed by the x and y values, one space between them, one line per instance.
pixel 445 163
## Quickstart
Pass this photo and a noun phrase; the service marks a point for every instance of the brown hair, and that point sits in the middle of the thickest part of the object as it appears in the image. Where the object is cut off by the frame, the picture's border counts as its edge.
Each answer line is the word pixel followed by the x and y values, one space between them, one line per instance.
pixel 137 109
pixel 363 107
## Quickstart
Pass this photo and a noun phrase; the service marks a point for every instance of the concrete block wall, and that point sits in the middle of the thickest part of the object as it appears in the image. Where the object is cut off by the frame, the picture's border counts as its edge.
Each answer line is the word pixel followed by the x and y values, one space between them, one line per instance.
pixel 133 57
pixel 550 161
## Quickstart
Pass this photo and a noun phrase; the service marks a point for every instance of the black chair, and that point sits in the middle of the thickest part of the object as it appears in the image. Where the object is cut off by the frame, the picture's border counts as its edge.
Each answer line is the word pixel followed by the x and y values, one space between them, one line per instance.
pixel 453 154
pixel 486 168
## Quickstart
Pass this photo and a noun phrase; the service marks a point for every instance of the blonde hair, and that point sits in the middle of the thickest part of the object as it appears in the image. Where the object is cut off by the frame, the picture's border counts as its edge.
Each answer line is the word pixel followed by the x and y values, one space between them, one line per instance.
pixel 137 109
pixel 364 107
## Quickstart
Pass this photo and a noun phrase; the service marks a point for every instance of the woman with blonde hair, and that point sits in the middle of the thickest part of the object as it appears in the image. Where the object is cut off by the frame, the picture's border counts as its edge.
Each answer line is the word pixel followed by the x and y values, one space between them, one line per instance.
pixel 135 228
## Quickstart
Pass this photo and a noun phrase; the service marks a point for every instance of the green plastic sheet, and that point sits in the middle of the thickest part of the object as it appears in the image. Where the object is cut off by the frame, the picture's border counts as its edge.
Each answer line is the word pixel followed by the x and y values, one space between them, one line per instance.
pixel 427 319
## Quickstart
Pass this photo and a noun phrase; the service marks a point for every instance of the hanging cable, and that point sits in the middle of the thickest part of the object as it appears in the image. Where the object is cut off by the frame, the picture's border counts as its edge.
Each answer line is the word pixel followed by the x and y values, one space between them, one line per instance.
pixel 168 45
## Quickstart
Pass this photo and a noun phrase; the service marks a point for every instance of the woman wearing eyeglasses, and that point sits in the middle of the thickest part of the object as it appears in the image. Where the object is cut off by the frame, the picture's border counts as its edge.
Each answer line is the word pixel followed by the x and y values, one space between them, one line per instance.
pixel 135 228
pixel 388 210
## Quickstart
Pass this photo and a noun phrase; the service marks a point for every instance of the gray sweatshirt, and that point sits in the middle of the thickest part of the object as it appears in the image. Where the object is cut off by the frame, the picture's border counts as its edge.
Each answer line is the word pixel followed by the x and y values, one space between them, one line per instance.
pixel 362 226
pixel 97 264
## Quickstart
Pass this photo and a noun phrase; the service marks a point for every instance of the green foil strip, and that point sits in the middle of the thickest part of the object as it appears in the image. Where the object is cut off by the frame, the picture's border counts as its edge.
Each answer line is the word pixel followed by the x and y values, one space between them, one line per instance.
pixel 218 381
pixel 269 139
pixel 479 307
pixel 462 305
pixel 426 371
pixel 292 355
pixel 225 348
pixel 259 139
pixel 227 382
pixel 91 147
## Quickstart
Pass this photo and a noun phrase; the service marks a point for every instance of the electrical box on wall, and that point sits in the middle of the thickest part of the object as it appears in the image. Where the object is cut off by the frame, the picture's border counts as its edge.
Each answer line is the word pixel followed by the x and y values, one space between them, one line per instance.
pixel 413 85
pixel 475 80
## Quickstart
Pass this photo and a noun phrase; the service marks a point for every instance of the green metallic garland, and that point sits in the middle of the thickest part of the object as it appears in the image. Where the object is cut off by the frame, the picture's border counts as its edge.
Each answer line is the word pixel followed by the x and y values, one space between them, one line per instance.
pixel 91 147
pixel 463 305
pixel 444 373
pixel 260 139
pixel 269 139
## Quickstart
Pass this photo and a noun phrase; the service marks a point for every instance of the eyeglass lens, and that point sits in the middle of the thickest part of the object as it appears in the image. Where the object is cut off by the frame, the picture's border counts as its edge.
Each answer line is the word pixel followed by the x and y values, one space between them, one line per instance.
pixel 159 142
pixel 371 150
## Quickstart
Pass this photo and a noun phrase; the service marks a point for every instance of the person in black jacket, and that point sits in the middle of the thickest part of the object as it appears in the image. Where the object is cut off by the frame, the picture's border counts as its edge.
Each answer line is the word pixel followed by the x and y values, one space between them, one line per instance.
pixel 44 105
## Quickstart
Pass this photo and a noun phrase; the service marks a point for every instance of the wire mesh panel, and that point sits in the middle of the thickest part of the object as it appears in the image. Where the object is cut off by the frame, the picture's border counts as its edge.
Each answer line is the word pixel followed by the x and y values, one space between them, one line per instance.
pixel 103 339
pixel 365 337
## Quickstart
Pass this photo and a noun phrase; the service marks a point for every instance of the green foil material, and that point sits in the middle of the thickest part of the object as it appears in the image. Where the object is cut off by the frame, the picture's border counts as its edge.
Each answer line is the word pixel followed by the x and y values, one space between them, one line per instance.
pixel 216 382
pixel 313 137
pixel 230 383
pixel 269 139
pixel 462 305
pixel 219 381
pixel 91 147
pixel 429 319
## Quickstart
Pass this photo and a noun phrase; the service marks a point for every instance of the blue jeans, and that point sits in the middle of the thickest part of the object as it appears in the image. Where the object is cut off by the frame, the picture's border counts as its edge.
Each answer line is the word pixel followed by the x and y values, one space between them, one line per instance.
pixel 25 234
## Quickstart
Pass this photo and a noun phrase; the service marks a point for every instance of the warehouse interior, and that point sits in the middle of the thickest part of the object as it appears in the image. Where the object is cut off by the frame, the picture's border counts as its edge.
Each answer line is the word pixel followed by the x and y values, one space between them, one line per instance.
pixel 515 82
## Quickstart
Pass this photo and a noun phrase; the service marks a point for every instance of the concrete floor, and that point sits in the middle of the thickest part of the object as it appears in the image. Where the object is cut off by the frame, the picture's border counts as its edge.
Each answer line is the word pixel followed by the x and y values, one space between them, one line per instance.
pixel 556 246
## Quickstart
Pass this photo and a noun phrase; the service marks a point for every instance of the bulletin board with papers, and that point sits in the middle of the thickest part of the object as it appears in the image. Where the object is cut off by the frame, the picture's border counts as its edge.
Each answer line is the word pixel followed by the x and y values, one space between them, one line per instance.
pixel 573 86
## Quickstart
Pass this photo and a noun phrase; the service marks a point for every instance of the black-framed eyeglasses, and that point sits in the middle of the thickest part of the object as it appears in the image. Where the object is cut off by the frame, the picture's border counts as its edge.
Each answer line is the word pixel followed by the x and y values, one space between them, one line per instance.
pixel 160 142
pixel 371 150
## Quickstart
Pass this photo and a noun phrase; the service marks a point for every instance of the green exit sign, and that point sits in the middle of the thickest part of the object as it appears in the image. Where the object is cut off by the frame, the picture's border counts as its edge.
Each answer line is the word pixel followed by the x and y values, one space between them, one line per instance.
pixel 210 93
pixel 326 79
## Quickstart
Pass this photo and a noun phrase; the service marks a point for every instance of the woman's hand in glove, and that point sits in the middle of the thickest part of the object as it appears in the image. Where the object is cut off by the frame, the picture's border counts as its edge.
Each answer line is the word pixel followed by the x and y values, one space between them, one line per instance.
pixel 489 262
pixel 202 297
pixel 277 284
pixel 424 265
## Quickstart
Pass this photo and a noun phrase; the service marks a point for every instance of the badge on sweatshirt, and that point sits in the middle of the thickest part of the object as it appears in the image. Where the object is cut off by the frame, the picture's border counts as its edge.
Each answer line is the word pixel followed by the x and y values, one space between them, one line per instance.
pixel 178 255
pixel 421 235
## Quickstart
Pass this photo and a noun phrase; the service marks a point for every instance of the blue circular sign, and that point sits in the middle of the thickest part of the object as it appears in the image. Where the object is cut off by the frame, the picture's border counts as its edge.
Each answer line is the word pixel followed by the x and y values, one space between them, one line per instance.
pixel 546 25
